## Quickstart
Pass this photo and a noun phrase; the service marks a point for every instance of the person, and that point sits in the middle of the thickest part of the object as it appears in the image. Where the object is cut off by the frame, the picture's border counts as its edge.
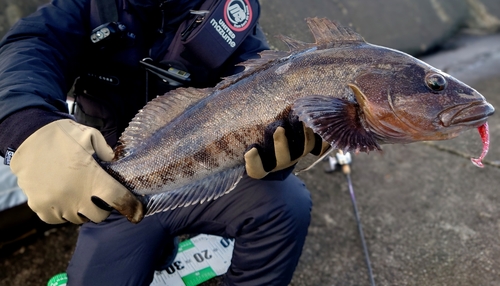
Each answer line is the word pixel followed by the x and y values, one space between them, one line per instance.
pixel 112 69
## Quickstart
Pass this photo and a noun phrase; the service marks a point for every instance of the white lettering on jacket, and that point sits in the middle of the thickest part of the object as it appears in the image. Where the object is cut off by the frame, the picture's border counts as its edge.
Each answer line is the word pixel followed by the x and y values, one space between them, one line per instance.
pixel 224 31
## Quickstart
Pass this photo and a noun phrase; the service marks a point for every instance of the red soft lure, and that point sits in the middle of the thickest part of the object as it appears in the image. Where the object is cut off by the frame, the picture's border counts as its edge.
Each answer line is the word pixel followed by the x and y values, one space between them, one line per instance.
pixel 485 137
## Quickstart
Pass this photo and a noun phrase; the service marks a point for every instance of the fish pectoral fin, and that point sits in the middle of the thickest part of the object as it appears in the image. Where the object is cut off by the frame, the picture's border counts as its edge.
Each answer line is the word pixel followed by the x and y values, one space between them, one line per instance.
pixel 198 192
pixel 337 122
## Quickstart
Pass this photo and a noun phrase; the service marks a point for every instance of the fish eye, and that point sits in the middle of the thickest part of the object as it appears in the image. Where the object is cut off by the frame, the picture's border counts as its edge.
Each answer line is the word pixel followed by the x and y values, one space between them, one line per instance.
pixel 435 82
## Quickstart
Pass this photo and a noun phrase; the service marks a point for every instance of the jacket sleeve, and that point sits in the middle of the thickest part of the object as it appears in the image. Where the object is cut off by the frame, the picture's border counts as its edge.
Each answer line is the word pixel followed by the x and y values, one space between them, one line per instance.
pixel 39 59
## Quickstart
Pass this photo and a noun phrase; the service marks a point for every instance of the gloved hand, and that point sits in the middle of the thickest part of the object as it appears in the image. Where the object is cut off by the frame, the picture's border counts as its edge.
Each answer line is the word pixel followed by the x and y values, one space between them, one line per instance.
pixel 285 142
pixel 63 182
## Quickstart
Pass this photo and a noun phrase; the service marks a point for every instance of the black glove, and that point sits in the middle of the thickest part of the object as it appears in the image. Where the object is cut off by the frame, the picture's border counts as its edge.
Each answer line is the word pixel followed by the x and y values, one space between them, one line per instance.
pixel 285 142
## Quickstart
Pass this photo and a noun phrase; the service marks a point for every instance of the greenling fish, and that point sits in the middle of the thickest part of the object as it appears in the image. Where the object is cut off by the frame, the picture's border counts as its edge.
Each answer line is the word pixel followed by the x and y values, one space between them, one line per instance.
pixel 186 147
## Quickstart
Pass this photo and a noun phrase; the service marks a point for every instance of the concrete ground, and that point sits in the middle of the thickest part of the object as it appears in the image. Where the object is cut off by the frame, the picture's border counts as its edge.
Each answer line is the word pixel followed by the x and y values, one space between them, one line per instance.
pixel 430 216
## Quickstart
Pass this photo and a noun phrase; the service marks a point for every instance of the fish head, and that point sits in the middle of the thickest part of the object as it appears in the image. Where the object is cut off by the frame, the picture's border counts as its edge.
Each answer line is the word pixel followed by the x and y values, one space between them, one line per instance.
pixel 408 100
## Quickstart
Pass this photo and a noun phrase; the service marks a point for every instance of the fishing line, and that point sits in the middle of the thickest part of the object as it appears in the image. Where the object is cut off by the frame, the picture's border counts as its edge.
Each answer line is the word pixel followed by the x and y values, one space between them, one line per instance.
pixel 344 160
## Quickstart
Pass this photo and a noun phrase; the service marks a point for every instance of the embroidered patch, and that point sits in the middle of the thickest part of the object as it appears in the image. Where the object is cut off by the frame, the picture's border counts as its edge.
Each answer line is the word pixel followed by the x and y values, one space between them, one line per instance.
pixel 8 156
pixel 238 14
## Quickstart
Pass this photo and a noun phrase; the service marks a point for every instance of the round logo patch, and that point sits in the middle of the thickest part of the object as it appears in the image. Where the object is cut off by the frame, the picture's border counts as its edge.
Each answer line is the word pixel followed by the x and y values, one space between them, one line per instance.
pixel 237 14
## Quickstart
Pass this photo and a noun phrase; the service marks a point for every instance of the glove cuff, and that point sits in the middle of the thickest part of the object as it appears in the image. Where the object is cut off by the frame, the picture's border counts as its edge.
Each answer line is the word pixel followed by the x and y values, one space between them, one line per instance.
pixel 20 125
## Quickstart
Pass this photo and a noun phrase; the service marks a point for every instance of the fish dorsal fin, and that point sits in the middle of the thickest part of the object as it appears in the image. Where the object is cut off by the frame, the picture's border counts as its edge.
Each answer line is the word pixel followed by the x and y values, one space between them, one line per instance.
pixel 156 114
pixel 295 45
pixel 329 33
pixel 326 33
pixel 253 65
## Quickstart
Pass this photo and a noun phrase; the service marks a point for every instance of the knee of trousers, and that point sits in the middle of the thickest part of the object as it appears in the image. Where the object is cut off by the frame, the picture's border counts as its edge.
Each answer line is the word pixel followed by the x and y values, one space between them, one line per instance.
pixel 283 205
pixel 293 198
pixel 296 205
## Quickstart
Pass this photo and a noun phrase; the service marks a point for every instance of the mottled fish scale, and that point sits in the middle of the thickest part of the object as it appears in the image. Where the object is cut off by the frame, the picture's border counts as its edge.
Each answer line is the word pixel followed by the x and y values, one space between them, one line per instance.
pixel 187 146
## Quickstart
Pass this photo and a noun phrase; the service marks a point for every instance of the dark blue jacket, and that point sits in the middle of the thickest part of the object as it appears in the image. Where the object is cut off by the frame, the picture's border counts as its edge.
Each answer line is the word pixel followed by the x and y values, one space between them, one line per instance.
pixel 43 54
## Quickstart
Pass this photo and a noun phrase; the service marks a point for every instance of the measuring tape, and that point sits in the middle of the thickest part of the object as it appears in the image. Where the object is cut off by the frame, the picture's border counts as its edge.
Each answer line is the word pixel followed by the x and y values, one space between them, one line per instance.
pixel 199 259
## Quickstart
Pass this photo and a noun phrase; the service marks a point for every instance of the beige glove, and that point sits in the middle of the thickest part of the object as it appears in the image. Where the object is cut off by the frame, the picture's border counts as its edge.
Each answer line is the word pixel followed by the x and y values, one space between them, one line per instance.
pixel 284 144
pixel 58 174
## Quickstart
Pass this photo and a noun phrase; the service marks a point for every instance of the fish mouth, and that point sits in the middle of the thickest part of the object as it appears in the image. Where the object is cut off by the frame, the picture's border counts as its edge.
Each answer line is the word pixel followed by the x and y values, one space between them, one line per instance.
pixel 472 114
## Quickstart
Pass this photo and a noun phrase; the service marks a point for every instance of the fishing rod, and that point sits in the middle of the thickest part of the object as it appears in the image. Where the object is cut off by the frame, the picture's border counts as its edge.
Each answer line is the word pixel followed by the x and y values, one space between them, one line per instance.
pixel 344 159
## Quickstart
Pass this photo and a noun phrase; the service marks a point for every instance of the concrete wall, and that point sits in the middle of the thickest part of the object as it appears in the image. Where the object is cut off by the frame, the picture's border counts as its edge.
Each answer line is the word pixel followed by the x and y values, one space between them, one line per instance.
pixel 13 10
pixel 413 26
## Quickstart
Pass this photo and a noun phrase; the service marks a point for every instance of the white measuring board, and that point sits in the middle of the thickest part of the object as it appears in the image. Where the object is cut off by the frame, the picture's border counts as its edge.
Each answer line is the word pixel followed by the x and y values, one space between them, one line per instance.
pixel 198 260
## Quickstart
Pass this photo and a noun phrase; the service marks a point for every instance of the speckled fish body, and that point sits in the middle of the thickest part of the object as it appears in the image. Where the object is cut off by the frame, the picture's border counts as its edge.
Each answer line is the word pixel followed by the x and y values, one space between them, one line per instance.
pixel 186 147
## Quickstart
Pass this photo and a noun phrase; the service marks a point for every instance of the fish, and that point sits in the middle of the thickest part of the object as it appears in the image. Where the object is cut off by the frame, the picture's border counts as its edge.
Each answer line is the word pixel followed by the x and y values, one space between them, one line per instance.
pixel 187 147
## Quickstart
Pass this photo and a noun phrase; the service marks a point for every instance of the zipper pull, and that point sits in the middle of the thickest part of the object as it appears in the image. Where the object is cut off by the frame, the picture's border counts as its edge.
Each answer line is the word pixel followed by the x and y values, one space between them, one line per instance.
pixel 199 19
pixel 163 7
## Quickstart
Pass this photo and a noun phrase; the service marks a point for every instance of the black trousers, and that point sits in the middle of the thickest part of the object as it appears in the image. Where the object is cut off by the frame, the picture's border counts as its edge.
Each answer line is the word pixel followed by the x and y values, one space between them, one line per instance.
pixel 267 218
